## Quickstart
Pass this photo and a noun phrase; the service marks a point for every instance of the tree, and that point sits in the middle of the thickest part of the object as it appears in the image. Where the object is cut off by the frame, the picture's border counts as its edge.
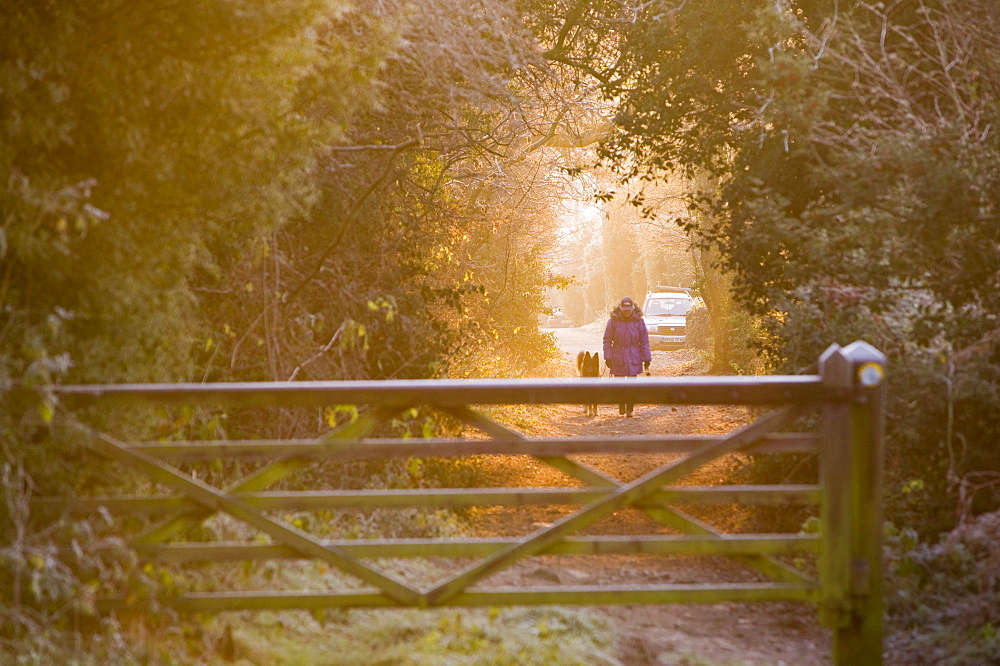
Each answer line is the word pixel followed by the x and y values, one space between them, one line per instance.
pixel 430 228
pixel 296 190
pixel 851 155
pixel 135 139
pixel 786 119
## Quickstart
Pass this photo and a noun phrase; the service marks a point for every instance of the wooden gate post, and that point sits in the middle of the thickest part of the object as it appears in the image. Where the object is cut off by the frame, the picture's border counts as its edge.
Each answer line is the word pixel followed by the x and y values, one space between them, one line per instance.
pixel 851 471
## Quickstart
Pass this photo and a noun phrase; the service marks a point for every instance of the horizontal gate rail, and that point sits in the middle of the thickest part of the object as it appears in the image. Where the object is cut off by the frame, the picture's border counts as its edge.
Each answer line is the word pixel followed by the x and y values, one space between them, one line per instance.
pixel 846 398
pixel 381 448
pixel 750 544
pixel 766 390
pixel 440 498
pixel 526 596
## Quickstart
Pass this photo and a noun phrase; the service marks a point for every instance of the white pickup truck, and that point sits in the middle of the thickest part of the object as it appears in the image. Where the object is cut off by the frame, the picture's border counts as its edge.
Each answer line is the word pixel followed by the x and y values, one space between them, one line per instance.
pixel 665 313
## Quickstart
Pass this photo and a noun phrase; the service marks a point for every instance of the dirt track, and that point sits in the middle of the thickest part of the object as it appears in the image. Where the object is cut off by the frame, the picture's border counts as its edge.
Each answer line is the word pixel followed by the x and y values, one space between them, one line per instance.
pixel 724 633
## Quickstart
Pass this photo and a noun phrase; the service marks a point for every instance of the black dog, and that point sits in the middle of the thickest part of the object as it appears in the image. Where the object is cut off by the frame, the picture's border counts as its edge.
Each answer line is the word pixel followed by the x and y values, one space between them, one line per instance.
pixel 589 365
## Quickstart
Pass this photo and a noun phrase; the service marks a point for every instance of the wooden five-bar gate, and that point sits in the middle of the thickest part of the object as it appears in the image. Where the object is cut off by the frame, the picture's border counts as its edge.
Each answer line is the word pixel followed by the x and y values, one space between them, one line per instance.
pixel 842 576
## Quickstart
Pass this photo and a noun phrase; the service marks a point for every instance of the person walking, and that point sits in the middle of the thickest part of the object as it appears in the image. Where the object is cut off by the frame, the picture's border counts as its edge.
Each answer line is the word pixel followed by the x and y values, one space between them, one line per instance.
pixel 626 344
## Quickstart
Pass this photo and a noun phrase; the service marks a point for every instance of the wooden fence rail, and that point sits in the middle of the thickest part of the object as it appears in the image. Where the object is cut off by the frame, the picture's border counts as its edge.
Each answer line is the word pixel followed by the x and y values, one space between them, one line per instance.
pixel 845 398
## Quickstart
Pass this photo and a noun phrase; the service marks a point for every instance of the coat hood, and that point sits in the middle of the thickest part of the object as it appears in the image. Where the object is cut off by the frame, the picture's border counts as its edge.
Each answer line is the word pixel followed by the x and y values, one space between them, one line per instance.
pixel 617 313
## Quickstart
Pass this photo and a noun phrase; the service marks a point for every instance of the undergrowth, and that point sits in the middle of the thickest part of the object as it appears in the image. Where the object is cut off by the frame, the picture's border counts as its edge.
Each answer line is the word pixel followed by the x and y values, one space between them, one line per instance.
pixel 540 635
pixel 943 599
pixel 543 635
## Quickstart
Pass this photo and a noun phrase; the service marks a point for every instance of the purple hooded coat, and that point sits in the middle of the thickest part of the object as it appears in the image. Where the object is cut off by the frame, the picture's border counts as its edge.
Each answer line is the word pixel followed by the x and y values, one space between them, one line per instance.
pixel 626 343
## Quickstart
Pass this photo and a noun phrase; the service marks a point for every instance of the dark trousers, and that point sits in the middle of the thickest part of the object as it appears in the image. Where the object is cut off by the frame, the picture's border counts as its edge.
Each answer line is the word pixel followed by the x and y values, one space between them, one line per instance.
pixel 625 408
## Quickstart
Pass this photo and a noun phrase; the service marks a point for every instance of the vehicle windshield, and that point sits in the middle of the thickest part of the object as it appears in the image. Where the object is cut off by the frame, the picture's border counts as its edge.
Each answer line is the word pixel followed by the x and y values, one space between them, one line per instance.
pixel 668 306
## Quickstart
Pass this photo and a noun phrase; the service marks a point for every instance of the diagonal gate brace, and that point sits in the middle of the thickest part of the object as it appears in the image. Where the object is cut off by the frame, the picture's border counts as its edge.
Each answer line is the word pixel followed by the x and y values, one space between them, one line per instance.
pixel 339 438
pixel 669 516
pixel 572 468
pixel 214 500
pixel 624 496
